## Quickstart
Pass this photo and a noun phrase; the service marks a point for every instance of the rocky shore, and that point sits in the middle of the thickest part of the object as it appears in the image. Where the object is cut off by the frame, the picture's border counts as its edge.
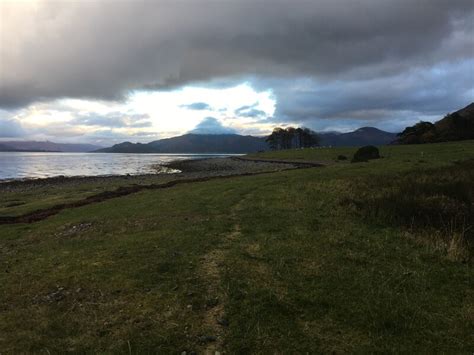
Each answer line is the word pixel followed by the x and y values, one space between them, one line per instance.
pixel 177 170
pixel 231 165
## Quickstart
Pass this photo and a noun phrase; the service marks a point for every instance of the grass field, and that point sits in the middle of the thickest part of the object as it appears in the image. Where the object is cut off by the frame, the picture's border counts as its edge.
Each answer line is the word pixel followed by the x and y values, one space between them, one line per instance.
pixel 367 257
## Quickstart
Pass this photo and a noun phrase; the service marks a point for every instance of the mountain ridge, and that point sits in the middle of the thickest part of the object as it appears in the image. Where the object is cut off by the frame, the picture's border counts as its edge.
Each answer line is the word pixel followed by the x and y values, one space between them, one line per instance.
pixel 45 146
pixel 235 143
pixel 455 126
pixel 361 136
pixel 194 143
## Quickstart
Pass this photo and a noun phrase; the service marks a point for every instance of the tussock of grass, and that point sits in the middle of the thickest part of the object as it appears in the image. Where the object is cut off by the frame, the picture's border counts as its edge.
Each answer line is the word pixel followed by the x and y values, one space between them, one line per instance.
pixel 433 203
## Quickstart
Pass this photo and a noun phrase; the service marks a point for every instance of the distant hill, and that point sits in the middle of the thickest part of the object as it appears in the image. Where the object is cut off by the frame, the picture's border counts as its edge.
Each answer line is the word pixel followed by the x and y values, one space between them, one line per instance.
pixel 194 143
pixel 361 136
pixel 6 148
pixel 453 127
pixel 34 146
pixel 234 143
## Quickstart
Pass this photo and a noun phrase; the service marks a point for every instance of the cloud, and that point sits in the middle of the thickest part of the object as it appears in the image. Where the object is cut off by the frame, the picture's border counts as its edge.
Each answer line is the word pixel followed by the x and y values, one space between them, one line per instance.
pixel 390 102
pixel 105 137
pixel 211 125
pixel 198 106
pixel 250 111
pixel 113 120
pixel 106 49
pixel 10 128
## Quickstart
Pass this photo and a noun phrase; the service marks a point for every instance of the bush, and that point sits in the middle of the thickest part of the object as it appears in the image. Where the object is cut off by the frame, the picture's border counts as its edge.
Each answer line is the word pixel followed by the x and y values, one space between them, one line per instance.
pixel 366 153
pixel 341 157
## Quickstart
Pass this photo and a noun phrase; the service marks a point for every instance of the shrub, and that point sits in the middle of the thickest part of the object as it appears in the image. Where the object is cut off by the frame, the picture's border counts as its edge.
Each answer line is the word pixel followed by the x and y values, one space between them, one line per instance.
pixel 341 157
pixel 366 153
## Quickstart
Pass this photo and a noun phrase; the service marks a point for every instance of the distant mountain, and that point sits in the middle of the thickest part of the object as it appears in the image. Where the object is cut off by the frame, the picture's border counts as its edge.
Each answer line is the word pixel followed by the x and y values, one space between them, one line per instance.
pixel 128 147
pixel 33 146
pixel 194 143
pixel 361 136
pixel 6 148
pixel 234 143
pixel 453 127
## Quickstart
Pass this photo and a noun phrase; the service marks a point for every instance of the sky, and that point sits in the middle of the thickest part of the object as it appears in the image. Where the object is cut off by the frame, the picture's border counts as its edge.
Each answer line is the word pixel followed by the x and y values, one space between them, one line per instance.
pixel 108 71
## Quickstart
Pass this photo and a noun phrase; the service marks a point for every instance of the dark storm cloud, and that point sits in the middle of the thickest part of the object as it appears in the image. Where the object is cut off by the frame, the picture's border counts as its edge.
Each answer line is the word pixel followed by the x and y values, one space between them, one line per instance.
pixel 211 125
pixel 391 100
pixel 198 106
pixel 104 49
pixel 250 111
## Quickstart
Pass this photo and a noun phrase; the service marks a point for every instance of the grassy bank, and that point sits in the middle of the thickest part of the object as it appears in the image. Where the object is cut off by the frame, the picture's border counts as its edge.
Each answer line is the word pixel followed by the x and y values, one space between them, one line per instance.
pixel 320 259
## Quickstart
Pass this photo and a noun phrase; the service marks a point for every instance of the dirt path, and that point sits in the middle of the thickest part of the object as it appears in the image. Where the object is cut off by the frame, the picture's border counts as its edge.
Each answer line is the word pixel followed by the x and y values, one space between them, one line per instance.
pixel 214 318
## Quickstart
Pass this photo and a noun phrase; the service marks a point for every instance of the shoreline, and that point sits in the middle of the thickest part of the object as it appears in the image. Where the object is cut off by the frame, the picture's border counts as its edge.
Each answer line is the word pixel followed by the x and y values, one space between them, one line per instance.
pixel 174 167
pixel 202 166
pixel 205 165
pixel 191 171
pixel 182 169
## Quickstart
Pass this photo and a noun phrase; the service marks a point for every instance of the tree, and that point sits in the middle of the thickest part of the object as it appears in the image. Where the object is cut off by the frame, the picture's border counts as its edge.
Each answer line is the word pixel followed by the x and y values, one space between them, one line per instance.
pixel 310 138
pixel 275 140
pixel 292 138
pixel 422 132
pixel 288 136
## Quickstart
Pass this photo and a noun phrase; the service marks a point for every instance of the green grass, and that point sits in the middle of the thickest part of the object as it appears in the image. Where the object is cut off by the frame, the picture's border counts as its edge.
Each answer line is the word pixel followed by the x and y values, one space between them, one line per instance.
pixel 300 269
pixel 24 199
pixel 435 204
pixel 404 155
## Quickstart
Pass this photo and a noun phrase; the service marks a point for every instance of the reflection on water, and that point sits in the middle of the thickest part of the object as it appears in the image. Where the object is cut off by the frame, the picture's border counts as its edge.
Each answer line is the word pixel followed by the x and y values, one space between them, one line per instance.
pixel 19 165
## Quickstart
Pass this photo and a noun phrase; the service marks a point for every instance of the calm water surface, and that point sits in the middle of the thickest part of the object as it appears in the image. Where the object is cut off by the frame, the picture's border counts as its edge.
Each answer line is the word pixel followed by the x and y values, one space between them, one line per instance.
pixel 19 165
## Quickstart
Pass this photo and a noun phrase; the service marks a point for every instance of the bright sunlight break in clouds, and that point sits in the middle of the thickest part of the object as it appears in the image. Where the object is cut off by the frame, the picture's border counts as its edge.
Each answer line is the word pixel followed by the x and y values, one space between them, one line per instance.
pixel 147 115
pixel 108 71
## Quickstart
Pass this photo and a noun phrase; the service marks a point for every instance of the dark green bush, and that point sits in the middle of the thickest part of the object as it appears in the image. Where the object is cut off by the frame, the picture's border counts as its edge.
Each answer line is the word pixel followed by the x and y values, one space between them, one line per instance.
pixel 366 153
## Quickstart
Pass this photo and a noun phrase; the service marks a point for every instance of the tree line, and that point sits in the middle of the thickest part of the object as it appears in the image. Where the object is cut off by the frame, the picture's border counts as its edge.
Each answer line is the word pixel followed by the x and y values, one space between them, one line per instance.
pixel 288 138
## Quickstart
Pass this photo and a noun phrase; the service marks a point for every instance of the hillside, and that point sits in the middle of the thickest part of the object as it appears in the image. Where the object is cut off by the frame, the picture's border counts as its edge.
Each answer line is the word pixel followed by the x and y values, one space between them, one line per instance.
pixel 194 143
pixel 456 126
pixel 34 146
pixel 128 147
pixel 361 136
